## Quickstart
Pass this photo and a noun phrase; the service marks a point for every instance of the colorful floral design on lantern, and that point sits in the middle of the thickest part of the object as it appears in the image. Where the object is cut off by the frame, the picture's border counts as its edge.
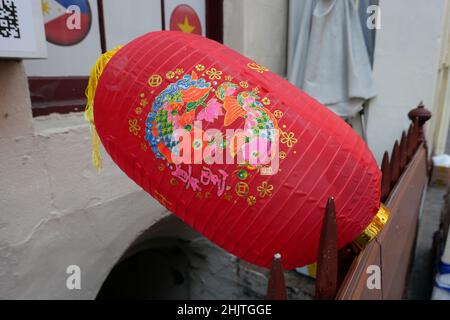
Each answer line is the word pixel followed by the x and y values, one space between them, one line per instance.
pixel 251 200
pixel 144 103
pixel 265 189
pixel 134 127
pixel 245 105
pixel 244 84
pixel 211 112
pixel 170 75
pixel 192 99
pixel 175 108
pixel 257 67
pixel 266 101
pixel 278 114
pixel 200 67
pixel 155 80
pixel 242 189
pixel 242 174
pixel 219 105
pixel 288 139
pixel 214 74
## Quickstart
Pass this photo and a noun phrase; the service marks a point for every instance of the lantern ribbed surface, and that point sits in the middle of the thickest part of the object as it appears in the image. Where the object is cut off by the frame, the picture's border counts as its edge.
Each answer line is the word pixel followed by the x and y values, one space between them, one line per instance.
pixel 166 80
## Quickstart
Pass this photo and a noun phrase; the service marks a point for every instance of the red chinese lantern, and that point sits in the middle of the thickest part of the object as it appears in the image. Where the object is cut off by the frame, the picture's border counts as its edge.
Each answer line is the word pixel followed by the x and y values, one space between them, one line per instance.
pixel 165 81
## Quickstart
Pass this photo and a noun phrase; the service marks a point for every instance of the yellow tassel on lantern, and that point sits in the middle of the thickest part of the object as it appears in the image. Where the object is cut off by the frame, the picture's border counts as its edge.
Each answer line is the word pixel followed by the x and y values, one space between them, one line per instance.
pixel 96 72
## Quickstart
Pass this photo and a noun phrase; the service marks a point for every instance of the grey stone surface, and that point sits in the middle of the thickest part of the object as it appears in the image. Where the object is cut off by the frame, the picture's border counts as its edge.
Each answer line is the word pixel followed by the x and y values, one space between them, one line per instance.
pixel 421 278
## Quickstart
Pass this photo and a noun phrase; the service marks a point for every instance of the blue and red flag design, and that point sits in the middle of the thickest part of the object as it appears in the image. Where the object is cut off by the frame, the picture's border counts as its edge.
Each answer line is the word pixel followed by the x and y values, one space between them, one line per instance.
pixel 67 22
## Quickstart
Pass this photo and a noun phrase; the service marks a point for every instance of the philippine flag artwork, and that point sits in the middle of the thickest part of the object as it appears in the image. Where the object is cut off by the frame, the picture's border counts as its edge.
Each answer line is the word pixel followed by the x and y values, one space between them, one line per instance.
pixel 143 94
pixel 67 22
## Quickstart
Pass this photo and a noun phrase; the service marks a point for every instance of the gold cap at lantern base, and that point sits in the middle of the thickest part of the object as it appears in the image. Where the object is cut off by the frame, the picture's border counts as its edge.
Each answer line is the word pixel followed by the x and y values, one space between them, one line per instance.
pixel 372 229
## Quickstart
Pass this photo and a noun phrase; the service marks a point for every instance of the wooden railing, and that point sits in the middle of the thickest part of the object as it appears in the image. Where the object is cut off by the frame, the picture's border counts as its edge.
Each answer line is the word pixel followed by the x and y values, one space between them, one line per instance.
pixel 405 176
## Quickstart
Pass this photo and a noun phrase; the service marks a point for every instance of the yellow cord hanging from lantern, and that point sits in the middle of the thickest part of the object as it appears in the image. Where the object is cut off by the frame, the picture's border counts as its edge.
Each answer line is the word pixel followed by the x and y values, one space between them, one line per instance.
pixel 96 72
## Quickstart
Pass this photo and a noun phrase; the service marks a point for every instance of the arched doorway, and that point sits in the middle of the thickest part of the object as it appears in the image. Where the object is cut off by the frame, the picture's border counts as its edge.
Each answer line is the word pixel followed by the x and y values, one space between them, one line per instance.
pixel 155 273
pixel 172 261
pixel 155 266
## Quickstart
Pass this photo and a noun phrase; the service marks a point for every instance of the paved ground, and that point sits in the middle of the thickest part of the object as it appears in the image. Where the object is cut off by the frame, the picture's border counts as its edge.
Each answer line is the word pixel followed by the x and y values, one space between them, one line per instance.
pixel 421 279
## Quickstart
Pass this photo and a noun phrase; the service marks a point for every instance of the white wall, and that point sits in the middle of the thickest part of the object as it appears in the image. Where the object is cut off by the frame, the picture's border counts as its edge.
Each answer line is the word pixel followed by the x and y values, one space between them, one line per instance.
pixel 405 68
pixel 125 22
pixel 258 29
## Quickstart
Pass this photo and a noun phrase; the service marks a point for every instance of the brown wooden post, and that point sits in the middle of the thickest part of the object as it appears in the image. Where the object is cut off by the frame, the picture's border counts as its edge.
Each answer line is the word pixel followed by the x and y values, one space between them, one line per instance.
pixel 101 26
pixel 214 19
pixel 327 260
pixel 403 152
pixel 416 133
pixel 422 115
pixel 395 164
pixel 410 142
pixel 276 290
pixel 386 178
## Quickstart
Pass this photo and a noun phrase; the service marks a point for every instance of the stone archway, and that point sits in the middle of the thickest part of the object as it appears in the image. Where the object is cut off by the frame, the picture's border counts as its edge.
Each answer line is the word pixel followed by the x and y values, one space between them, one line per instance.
pixel 172 261
pixel 157 273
